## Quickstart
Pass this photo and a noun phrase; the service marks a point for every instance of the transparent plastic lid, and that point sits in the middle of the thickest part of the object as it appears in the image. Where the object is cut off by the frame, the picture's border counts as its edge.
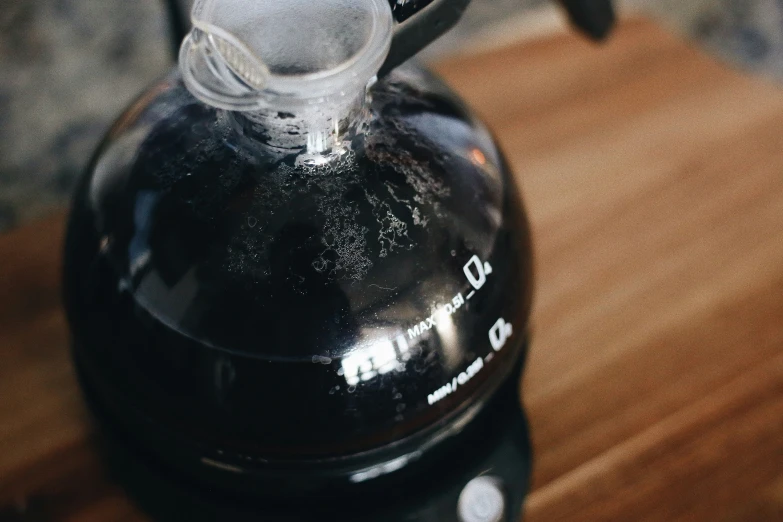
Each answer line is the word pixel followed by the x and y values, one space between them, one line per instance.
pixel 249 54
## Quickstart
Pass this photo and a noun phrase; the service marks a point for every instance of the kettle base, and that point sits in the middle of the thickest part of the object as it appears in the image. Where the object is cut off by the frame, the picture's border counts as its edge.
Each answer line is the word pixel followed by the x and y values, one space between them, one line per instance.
pixel 164 494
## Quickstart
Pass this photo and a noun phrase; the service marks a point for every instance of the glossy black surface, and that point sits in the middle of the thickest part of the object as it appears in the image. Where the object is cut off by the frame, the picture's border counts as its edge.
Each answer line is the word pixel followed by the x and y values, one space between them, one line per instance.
pixel 496 446
pixel 256 315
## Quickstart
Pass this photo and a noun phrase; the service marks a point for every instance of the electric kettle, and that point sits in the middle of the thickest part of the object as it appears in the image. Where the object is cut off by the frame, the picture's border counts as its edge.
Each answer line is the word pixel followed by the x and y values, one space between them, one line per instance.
pixel 298 273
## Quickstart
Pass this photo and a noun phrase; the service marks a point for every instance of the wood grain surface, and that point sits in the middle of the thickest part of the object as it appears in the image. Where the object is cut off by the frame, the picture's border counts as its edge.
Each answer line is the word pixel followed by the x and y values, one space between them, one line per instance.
pixel 654 180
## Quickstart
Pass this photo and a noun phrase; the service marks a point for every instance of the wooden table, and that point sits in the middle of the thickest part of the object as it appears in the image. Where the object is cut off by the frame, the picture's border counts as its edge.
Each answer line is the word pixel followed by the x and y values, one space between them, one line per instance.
pixel 654 180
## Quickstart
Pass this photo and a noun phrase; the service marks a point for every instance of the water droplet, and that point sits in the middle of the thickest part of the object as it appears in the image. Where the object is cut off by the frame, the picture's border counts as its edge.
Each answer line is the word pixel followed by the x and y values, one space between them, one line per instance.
pixel 321 359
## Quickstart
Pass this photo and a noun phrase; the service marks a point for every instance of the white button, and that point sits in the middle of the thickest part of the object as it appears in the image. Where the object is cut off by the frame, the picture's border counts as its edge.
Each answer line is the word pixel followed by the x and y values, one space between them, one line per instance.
pixel 481 500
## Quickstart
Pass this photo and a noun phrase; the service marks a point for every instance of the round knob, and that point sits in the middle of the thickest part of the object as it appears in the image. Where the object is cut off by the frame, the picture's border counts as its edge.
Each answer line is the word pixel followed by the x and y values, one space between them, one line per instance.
pixel 481 500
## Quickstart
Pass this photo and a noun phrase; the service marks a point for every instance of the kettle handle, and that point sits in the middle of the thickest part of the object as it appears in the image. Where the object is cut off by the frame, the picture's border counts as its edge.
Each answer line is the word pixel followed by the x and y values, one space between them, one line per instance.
pixel 416 32
pixel 428 21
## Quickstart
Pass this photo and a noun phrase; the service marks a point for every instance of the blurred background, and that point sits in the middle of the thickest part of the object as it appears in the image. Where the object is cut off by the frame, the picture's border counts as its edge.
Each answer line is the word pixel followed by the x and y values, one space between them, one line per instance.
pixel 69 66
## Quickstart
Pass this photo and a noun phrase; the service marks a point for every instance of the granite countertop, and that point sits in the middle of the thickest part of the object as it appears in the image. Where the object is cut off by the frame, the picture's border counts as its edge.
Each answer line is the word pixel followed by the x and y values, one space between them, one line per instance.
pixel 70 66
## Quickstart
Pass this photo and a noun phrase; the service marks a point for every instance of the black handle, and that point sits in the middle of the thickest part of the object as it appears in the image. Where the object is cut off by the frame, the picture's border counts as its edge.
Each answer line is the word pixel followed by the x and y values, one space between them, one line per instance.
pixel 595 18
pixel 421 25
pixel 423 21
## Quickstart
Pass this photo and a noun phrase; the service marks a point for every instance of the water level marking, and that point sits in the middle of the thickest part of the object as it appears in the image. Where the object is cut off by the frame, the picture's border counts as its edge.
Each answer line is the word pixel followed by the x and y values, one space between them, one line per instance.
pixel 460 380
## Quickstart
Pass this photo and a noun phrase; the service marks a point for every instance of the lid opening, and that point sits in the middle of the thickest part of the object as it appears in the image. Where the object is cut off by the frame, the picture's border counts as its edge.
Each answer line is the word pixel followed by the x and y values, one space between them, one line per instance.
pixel 252 54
